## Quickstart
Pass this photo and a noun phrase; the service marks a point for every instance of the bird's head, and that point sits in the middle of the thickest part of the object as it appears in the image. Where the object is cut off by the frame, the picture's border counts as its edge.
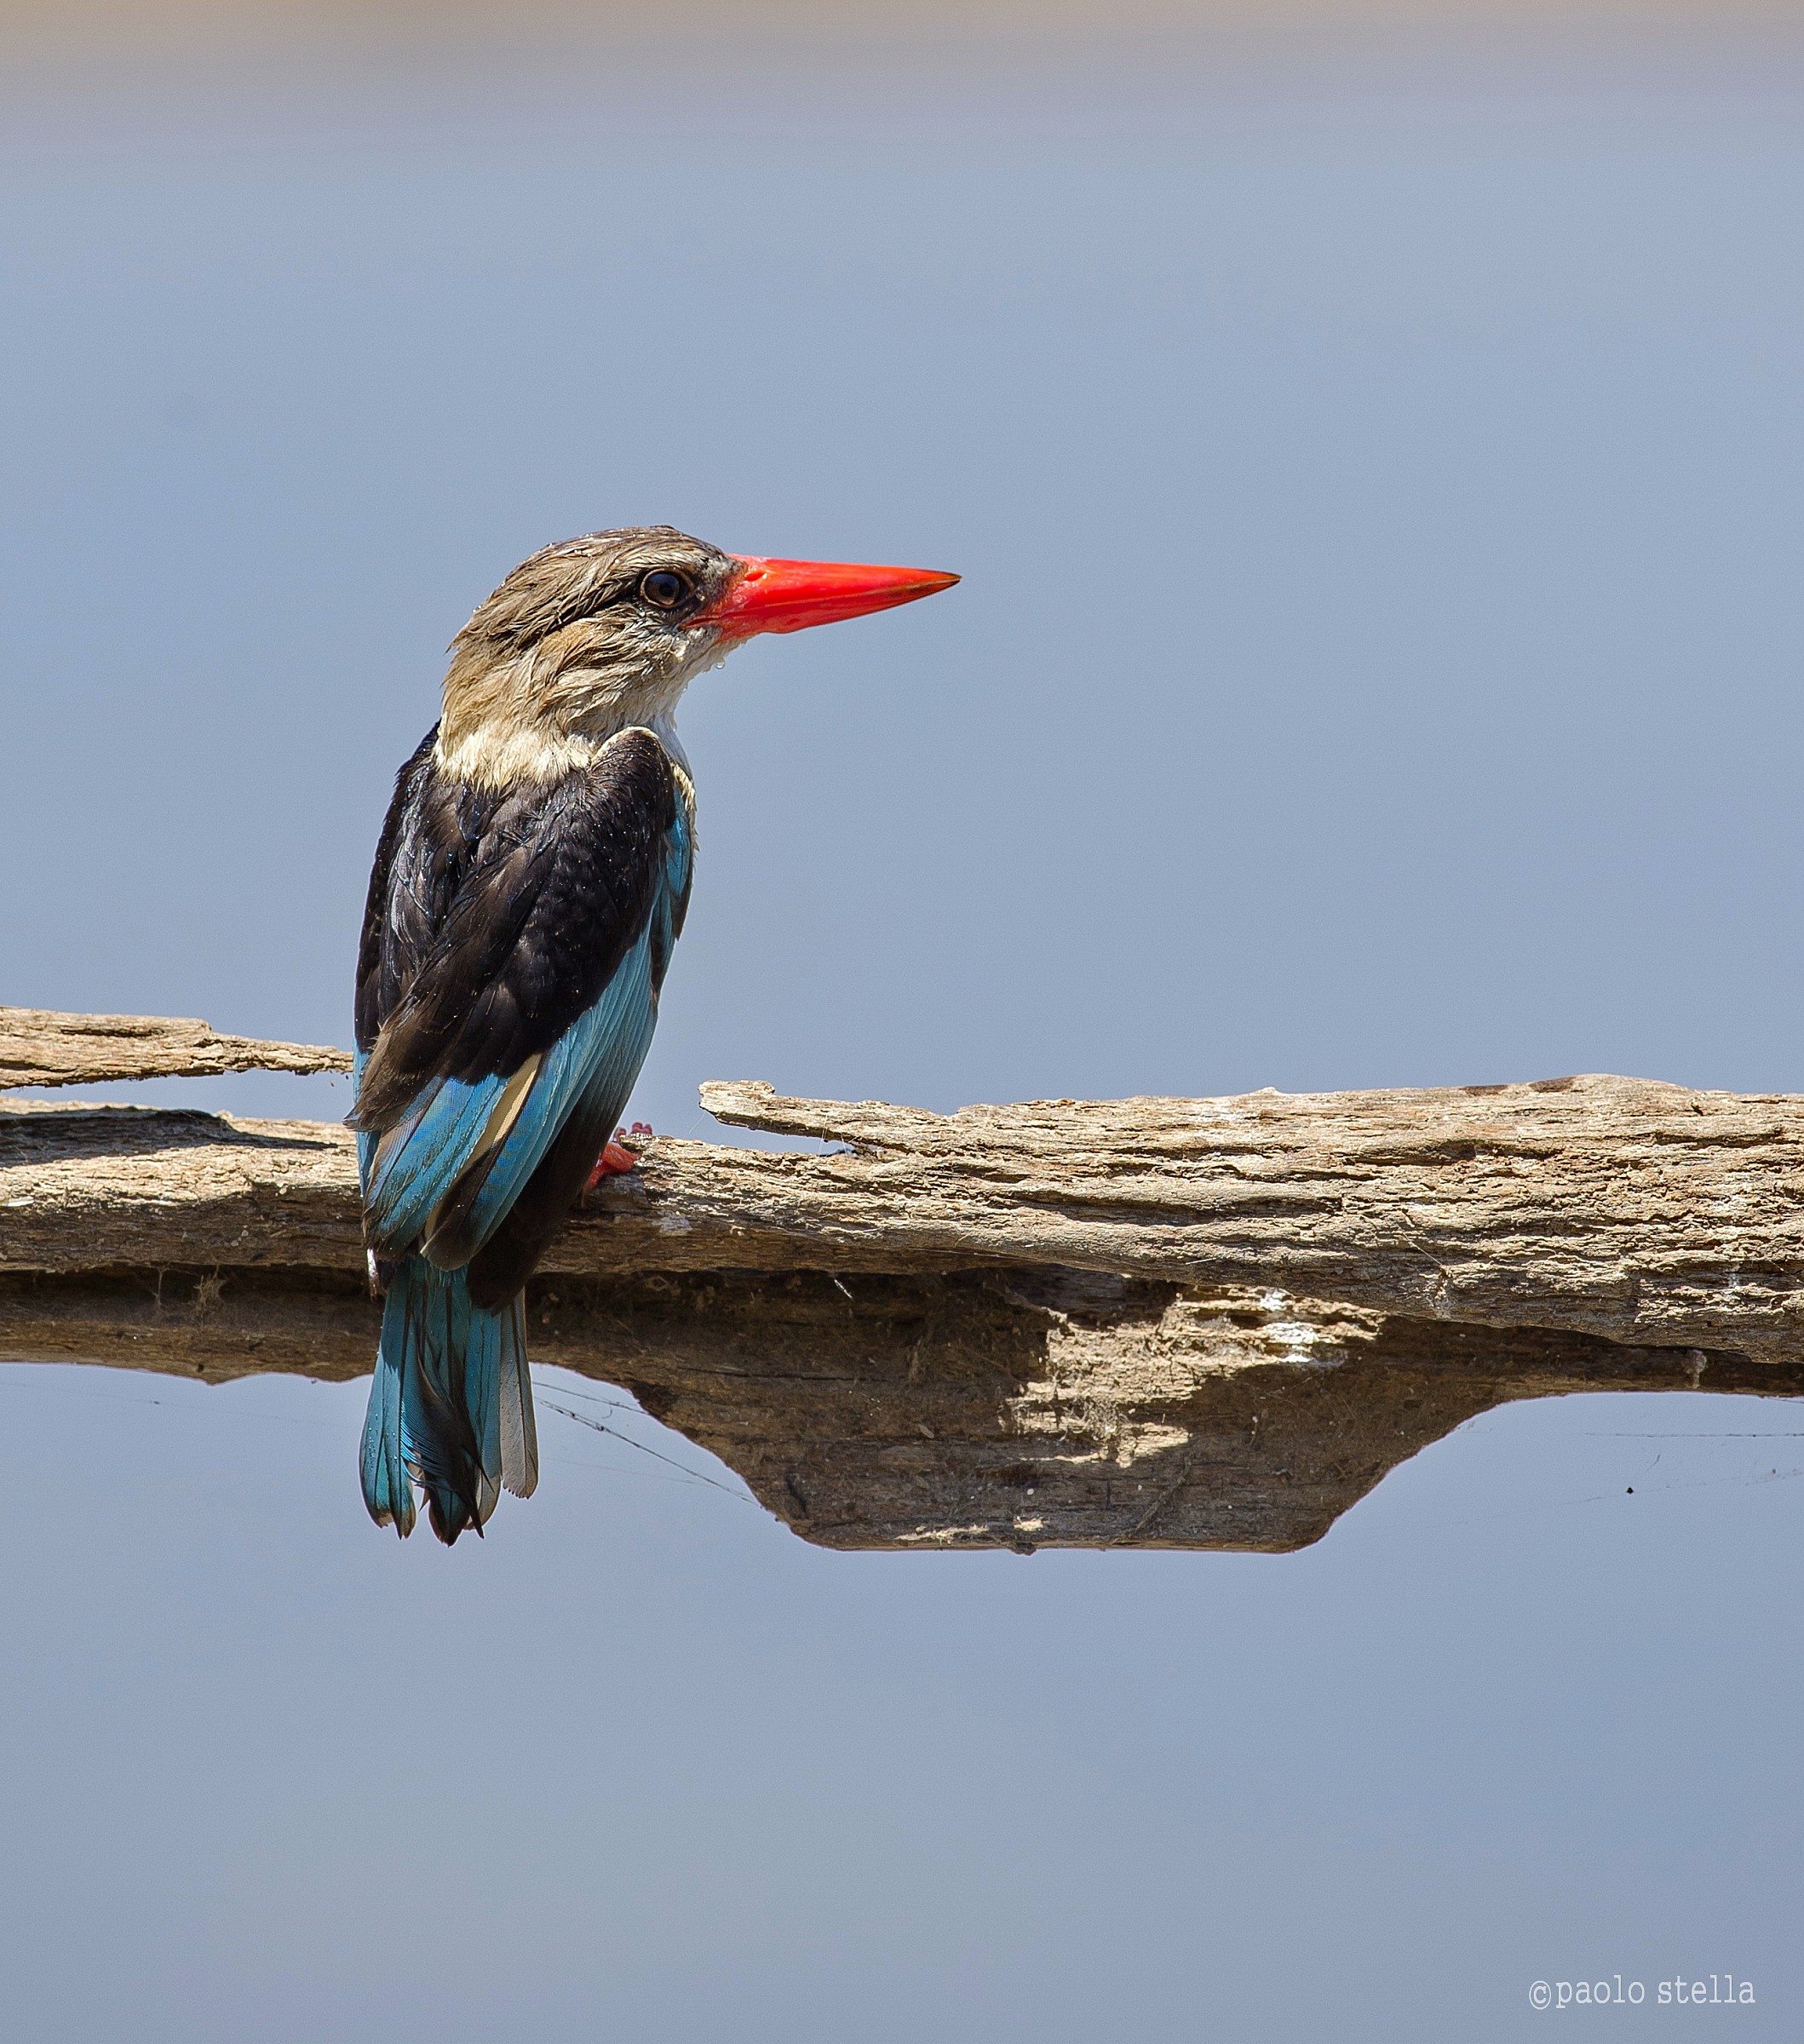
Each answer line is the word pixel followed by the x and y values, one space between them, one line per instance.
pixel 593 634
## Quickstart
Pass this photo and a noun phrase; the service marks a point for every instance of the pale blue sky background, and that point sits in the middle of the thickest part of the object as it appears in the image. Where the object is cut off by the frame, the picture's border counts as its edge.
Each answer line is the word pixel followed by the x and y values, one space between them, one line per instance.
pixel 1377 490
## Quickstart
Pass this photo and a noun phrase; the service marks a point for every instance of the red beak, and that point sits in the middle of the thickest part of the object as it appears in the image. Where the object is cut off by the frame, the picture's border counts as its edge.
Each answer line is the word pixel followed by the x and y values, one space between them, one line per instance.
pixel 786 595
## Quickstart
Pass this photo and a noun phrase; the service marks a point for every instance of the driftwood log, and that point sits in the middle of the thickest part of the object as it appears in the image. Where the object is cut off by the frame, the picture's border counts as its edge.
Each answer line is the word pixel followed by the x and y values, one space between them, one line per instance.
pixel 1149 1322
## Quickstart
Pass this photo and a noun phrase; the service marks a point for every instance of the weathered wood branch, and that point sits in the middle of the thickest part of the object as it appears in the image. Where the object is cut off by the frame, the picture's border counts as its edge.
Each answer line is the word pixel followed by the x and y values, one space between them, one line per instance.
pixel 1152 1322
pixel 41 1047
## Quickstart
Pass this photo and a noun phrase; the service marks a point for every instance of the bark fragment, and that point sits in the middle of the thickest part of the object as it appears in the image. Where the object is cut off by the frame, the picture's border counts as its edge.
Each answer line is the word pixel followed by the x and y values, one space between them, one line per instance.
pixel 39 1047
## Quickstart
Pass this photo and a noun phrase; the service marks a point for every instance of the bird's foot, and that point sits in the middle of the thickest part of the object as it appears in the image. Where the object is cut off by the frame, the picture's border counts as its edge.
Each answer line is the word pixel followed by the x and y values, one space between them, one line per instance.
pixel 619 1156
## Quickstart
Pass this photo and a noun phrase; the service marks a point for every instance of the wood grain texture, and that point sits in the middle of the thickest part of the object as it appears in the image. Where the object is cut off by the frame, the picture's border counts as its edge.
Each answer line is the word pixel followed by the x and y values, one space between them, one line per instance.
pixel 39 1047
pixel 1145 1322
pixel 1624 1208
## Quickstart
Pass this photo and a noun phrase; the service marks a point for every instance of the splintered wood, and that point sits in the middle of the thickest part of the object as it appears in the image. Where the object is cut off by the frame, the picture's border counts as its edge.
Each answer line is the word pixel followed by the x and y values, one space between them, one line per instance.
pixel 41 1047
pixel 1209 1324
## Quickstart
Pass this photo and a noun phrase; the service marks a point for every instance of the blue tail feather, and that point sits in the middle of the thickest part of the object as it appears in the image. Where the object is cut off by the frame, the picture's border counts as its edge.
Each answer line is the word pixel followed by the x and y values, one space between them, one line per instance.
pixel 451 1405
pixel 386 1491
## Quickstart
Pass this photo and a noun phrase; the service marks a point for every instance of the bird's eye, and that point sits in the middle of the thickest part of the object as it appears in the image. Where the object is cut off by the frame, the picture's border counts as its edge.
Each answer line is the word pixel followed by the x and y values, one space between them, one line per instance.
pixel 664 589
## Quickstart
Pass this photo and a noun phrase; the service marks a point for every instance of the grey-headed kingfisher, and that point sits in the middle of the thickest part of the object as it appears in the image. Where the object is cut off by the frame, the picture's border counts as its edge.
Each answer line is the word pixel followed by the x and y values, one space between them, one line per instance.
pixel 529 884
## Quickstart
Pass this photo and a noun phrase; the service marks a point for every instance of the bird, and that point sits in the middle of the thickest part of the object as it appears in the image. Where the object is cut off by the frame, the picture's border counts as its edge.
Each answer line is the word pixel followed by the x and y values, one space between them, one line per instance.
pixel 530 882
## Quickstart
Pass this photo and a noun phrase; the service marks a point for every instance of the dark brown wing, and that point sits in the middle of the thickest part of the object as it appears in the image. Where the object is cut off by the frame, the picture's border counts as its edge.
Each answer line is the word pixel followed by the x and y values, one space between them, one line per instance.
pixel 505 917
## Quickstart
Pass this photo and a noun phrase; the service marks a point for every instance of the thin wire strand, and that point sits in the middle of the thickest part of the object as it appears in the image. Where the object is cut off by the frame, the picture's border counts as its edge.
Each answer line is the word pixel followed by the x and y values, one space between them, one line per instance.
pixel 590 1398
pixel 699 1476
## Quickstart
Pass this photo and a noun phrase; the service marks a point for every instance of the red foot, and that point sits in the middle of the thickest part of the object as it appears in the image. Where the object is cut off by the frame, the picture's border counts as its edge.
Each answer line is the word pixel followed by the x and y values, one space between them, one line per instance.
pixel 619 1156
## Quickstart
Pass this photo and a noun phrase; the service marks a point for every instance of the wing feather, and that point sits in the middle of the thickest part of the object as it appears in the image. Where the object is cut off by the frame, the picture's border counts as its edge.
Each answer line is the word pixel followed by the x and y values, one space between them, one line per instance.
pixel 532 1001
pixel 599 1056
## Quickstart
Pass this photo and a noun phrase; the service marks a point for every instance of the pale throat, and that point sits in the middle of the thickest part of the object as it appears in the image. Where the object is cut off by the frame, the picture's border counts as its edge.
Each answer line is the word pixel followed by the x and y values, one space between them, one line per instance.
pixel 497 731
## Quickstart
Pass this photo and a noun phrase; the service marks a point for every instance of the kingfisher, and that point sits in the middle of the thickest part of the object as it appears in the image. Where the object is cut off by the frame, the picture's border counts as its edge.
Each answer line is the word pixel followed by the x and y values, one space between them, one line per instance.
pixel 529 883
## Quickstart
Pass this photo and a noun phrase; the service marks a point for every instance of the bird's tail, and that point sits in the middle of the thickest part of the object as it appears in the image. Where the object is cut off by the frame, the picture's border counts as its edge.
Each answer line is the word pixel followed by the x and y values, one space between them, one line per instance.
pixel 452 1405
